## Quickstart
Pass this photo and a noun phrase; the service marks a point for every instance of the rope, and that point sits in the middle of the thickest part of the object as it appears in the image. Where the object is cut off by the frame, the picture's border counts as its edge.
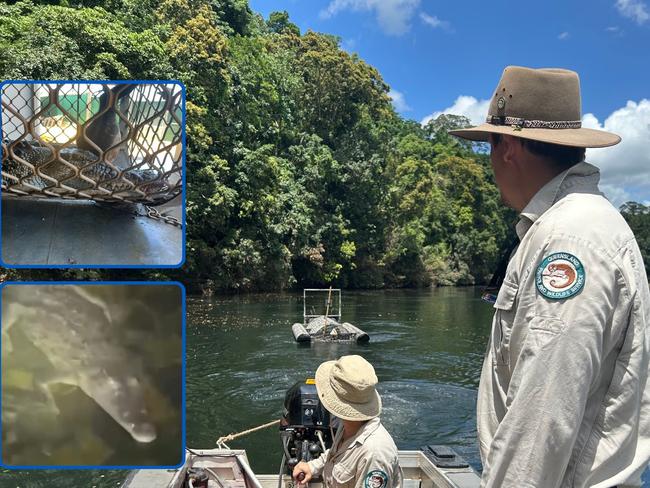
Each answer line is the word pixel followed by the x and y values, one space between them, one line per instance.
pixel 221 441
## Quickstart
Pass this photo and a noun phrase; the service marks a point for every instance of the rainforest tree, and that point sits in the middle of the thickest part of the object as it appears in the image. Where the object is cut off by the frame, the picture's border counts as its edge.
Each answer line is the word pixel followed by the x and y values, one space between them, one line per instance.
pixel 299 170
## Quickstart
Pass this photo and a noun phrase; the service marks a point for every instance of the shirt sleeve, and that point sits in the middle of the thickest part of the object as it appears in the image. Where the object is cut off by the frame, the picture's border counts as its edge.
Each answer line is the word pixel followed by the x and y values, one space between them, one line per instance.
pixel 373 471
pixel 556 369
pixel 316 465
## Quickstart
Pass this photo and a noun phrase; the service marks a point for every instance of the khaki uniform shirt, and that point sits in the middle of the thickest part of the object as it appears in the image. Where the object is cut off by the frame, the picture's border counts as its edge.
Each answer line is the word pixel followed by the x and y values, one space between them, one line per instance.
pixel 366 460
pixel 564 397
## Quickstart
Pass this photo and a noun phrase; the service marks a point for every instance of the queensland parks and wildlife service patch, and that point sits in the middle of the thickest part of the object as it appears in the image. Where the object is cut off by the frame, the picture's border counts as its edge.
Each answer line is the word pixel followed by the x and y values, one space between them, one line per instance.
pixel 559 276
pixel 375 479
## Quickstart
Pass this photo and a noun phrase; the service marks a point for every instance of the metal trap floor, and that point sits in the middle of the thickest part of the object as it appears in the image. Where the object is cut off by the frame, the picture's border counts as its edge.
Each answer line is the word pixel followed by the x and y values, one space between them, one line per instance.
pixel 58 232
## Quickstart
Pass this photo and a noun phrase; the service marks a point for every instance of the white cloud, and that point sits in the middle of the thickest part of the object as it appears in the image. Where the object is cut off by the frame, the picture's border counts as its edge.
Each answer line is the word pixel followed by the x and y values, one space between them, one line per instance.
pixel 563 36
pixel 349 45
pixel 475 110
pixel 636 10
pixel 615 194
pixel 399 101
pixel 615 30
pixel 625 168
pixel 433 21
pixel 394 16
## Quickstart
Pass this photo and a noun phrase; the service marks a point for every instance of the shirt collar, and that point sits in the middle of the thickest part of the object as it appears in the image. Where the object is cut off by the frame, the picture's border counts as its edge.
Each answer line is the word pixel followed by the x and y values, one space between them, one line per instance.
pixel 366 429
pixel 362 434
pixel 580 178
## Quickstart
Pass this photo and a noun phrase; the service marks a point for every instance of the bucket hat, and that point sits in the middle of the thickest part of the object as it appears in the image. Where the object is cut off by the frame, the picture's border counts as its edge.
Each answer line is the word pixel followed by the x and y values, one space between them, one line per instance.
pixel 540 105
pixel 346 387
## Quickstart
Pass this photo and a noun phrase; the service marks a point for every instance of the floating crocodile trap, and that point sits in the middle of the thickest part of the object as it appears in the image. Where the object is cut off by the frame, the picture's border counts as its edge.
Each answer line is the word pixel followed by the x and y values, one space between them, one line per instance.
pixel 115 142
pixel 325 327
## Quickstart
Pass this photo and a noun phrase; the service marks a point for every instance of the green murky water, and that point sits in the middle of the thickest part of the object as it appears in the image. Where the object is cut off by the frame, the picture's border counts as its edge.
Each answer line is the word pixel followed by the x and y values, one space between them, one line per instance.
pixel 82 388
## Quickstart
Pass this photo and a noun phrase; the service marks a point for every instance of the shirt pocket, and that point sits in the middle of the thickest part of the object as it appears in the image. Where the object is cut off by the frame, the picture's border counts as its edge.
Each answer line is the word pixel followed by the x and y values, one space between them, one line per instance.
pixel 343 475
pixel 504 317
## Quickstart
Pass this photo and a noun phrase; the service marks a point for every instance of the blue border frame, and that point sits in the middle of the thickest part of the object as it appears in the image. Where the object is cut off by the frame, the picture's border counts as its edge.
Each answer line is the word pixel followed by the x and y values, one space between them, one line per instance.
pixel 183 178
pixel 183 372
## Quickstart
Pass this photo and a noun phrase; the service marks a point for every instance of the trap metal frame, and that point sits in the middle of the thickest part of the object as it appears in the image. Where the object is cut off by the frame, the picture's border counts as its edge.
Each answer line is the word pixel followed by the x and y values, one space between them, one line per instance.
pixel 107 141
pixel 316 292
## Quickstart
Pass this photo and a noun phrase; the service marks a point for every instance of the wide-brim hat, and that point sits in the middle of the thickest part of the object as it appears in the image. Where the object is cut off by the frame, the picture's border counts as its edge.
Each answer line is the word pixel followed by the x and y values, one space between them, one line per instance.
pixel 346 388
pixel 541 105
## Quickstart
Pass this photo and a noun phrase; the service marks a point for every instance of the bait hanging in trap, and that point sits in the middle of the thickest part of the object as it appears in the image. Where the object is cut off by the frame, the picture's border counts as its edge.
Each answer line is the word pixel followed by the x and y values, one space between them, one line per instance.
pixel 113 142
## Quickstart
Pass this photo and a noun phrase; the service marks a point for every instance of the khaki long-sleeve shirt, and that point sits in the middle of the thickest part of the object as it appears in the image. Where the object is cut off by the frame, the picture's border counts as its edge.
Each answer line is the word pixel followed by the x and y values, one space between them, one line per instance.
pixel 564 397
pixel 368 459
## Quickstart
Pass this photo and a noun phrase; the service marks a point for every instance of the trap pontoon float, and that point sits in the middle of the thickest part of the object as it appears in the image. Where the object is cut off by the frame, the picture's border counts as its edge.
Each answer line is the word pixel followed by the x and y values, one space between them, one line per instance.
pixel 325 327
pixel 305 433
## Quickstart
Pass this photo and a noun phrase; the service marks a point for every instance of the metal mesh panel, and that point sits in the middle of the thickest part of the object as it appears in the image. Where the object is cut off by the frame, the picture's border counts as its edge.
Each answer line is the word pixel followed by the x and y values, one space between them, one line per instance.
pixel 318 301
pixel 109 142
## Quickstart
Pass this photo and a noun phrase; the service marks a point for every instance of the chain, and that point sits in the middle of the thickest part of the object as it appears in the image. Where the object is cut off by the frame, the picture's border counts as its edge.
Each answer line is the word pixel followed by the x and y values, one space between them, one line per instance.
pixel 154 214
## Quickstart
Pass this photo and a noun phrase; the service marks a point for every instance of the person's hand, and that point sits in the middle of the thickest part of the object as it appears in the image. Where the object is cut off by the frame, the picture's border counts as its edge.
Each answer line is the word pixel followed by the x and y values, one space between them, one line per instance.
pixel 302 473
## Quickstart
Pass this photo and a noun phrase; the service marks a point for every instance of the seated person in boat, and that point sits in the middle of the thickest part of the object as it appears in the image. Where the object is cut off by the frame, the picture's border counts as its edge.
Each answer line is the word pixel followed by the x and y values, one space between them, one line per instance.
pixel 363 454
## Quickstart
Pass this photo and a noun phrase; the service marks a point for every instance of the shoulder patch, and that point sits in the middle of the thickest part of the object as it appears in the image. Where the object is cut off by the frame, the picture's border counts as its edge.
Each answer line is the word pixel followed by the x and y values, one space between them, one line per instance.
pixel 559 276
pixel 376 479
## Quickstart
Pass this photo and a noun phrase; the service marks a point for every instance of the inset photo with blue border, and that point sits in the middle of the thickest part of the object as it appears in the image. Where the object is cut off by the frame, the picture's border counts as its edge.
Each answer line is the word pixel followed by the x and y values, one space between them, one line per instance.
pixel 93 375
pixel 93 174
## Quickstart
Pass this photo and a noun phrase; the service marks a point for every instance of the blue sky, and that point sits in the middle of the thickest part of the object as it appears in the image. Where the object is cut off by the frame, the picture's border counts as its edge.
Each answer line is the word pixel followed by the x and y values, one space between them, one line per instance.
pixel 432 53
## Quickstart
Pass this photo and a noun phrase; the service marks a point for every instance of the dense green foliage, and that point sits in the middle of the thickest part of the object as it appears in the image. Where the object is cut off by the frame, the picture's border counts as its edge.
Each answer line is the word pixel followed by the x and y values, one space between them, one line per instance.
pixel 299 170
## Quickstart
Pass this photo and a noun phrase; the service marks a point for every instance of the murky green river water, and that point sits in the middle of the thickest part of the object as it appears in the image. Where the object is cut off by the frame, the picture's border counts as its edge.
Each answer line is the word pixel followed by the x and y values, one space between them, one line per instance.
pixel 427 348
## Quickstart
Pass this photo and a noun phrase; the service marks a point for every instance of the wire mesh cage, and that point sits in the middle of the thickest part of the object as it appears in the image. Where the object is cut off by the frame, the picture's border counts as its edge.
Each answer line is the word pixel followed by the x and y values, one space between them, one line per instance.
pixel 115 142
pixel 321 302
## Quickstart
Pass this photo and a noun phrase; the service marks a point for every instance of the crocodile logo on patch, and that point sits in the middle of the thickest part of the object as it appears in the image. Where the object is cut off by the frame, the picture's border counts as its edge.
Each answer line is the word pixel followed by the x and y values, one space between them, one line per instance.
pixel 375 479
pixel 559 276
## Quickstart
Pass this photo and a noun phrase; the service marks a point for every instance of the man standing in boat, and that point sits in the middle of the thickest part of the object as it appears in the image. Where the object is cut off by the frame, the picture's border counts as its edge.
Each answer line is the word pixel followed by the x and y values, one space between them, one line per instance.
pixel 363 454
pixel 563 398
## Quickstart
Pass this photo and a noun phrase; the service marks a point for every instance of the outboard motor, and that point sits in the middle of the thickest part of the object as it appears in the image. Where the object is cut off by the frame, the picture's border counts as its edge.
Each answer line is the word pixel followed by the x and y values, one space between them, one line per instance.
pixel 305 426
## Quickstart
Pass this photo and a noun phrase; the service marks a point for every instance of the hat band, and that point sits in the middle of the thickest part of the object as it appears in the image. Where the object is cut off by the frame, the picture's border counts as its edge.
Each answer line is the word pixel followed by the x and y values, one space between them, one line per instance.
pixel 533 124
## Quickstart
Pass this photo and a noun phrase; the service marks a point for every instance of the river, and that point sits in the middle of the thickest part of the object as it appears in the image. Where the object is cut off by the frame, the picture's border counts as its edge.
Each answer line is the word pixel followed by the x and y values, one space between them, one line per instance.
pixel 427 347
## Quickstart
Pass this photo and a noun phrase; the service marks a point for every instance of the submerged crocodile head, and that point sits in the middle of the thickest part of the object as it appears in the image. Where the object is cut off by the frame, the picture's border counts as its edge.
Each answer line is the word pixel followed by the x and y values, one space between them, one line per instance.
pixel 122 397
pixel 75 332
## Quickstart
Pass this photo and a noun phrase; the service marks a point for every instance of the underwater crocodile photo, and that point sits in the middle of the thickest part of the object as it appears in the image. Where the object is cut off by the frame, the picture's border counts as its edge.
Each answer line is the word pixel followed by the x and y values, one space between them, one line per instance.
pixel 78 335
